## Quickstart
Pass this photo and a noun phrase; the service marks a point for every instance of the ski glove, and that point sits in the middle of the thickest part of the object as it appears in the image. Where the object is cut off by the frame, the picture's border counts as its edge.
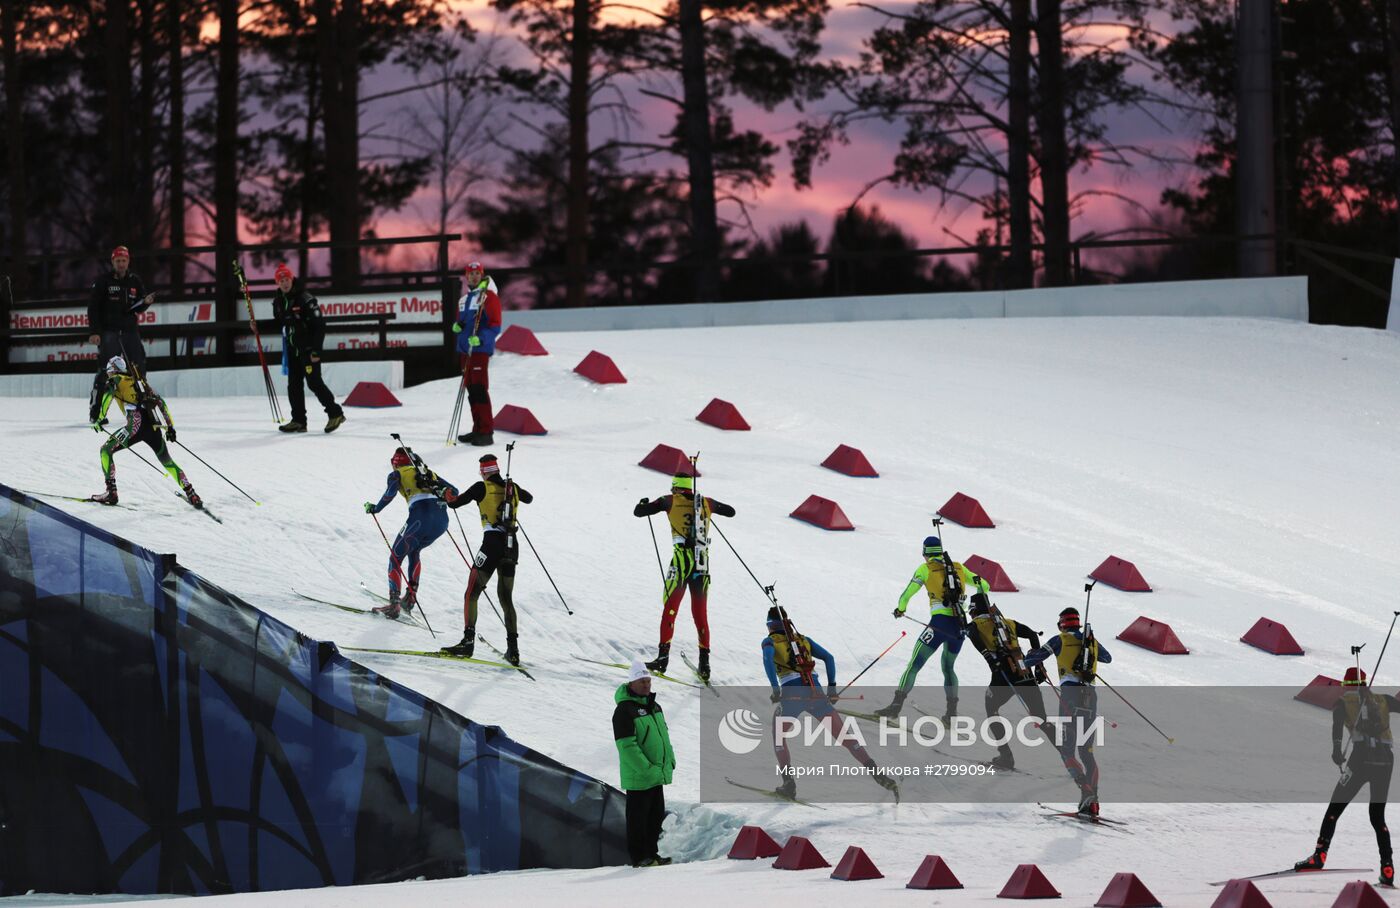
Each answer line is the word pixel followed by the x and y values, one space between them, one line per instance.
pixel 899 613
pixel 992 660
pixel 1040 676
pixel 97 427
pixel 169 433
pixel 831 693
pixel 775 696
pixel 981 599
pixel 369 507
pixel 473 341
pixel 456 327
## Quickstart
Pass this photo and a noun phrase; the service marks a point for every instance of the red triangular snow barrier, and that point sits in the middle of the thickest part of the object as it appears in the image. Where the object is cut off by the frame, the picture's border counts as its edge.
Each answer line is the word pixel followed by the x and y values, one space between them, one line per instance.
pixel 371 394
pixel 1120 574
pixel 966 511
pixel 518 421
pixel 668 460
pixel 1125 890
pixel 521 340
pixel 601 369
pixel 1272 637
pixel 850 461
pixel 723 415
pixel 822 512
pixel 991 572
pixel 1240 894
pixel 854 865
pixel 799 854
pixel 1027 882
pixel 752 843
pixel 1359 894
pixel 1321 691
pixel 1153 635
pixel 933 873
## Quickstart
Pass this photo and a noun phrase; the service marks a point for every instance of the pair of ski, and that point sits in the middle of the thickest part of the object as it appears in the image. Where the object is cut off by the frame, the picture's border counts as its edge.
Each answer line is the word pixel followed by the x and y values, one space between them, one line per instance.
pixel 625 667
pixel 430 654
pixel 1086 819
pixel 1291 872
pixel 92 499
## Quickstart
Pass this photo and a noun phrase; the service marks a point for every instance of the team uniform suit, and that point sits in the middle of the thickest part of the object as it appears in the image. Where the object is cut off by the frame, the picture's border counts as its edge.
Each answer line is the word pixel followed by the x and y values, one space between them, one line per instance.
pixel 1011 677
pixel 796 694
pixel 1365 716
pixel 498 503
pixel 427 520
pixel 479 319
pixel 685 573
pixel 946 592
pixel 1079 700
pixel 113 304
pixel 304 330
pixel 142 425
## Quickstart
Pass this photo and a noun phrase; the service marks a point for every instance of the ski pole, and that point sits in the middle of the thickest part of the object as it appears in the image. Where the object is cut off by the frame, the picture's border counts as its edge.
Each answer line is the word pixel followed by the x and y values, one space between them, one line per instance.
pixel 257 341
pixel 1372 682
pixel 1170 740
pixel 456 421
pixel 521 527
pixel 471 567
pixel 398 568
pixel 654 545
pixel 902 635
pixel 218 474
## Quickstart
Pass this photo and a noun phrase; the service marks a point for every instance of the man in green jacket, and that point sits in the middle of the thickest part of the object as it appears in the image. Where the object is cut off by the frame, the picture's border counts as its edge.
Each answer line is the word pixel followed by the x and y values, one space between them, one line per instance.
pixel 647 761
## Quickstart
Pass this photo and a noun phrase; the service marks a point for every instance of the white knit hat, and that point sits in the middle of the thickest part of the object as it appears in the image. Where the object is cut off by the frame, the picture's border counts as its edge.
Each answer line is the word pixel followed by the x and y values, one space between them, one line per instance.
pixel 638 672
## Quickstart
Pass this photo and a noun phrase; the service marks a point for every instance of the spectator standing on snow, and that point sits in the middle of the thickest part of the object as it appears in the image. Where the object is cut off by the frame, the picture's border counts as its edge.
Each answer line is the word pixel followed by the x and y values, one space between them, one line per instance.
pixel 117 297
pixel 647 762
pixel 478 322
pixel 304 333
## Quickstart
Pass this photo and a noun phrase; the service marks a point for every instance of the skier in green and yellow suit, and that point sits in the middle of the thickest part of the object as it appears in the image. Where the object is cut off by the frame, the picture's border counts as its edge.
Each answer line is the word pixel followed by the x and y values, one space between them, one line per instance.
pixel 947 621
pixel 140 404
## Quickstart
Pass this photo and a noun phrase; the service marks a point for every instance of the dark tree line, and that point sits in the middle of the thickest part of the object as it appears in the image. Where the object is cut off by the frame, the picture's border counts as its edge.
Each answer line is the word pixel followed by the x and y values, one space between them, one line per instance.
pixel 162 123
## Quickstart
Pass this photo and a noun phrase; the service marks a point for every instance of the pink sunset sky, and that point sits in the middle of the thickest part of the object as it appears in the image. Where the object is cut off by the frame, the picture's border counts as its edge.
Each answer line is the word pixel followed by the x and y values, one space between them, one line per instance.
pixel 851 167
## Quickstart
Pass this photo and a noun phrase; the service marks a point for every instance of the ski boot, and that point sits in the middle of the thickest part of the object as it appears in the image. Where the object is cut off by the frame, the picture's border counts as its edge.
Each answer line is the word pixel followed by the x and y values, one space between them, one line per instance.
pixel 895 707
pixel 1314 862
pixel 658 861
pixel 512 651
pixel 1387 871
pixel 950 713
pixel 465 647
pixel 482 439
pixel 1004 758
pixel 294 425
pixel 410 599
pixel 704 669
pixel 1089 804
pixel 335 422
pixel 190 494
pixel 787 788
pixel 109 496
pixel 663 659
pixel 390 609
pixel 888 784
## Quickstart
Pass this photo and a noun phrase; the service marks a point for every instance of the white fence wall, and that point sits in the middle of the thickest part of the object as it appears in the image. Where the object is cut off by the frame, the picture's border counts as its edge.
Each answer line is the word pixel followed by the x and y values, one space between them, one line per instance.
pixel 1281 297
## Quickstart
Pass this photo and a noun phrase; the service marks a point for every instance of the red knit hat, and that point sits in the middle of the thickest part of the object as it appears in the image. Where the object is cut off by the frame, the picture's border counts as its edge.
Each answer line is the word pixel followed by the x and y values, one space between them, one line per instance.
pixel 1354 677
pixel 283 271
pixel 400 458
pixel 121 251
pixel 489 465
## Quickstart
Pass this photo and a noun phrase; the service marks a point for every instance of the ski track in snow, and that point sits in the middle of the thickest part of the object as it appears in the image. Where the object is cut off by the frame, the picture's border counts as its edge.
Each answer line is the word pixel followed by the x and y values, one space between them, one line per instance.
pixel 1249 468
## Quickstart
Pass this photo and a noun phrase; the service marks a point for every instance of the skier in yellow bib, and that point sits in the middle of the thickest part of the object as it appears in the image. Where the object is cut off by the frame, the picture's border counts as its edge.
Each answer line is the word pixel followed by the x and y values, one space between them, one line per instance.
pixel 141 405
pixel 946 582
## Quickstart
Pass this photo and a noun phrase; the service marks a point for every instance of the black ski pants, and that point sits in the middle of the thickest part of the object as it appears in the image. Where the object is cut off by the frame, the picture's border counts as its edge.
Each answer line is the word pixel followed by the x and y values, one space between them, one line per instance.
pixel 1368 766
pixel 645 811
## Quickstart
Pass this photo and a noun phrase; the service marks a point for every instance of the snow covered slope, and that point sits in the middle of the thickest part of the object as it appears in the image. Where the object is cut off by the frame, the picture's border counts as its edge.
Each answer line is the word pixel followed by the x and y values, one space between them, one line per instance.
pixel 1249 468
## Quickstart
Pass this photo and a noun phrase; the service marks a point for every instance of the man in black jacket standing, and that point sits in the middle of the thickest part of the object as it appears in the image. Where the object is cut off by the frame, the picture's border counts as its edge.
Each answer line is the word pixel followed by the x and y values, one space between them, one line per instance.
pixel 304 331
pixel 117 297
